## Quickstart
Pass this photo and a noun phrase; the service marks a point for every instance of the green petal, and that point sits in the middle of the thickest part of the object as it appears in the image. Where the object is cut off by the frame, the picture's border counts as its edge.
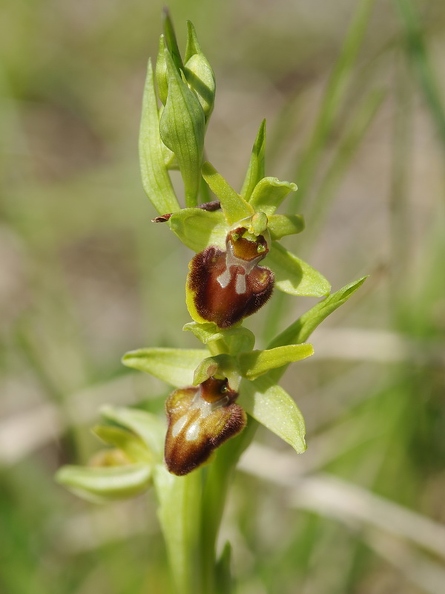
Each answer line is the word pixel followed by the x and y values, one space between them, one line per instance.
pixel 174 366
pixel 302 328
pixel 182 129
pixel 256 168
pixel 269 193
pixel 155 178
pixel 149 427
pixel 234 207
pixel 294 276
pixel 281 225
pixel 105 483
pixel 198 228
pixel 133 447
pixel 257 363
pixel 272 406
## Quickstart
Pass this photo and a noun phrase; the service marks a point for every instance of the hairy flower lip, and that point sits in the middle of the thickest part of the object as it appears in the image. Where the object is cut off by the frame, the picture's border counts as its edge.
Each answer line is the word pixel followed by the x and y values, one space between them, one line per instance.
pixel 200 419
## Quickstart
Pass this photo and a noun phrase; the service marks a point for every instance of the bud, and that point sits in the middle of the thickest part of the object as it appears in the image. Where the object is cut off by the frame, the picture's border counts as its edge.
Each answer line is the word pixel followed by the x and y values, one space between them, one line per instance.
pixel 225 287
pixel 200 419
pixel 199 73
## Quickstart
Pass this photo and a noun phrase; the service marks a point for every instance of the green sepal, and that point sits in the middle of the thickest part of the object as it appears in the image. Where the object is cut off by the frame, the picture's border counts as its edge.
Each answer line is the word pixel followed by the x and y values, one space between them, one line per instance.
pixel 293 276
pixel 147 426
pixel 174 366
pixel 256 169
pixel 302 328
pixel 256 363
pixel 220 367
pixel 198 72
pixel 198 228
pixel 182 129
pixel 132 446
pixel 281 225
pixel 101 484
pixel 272 406
pixel 152 152
pixel 231 341
pixel 269 193
pixel 234 207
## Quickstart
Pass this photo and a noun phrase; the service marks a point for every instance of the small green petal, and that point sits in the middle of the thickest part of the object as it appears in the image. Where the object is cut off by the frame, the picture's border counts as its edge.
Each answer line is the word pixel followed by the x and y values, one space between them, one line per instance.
pixel 99 484
pixel 198 228
pixel 272 406
pixel 294 276
pixel 129 443
pixel 281 225
pixel 257 363
pixel 234 207
pixel 256 168
pixel 155 178
pixel 174 366
pixel 148 427
pixel 269 193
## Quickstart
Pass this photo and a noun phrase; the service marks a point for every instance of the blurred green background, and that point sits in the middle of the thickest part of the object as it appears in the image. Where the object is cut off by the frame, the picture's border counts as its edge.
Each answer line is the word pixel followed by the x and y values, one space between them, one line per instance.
pixel 354 98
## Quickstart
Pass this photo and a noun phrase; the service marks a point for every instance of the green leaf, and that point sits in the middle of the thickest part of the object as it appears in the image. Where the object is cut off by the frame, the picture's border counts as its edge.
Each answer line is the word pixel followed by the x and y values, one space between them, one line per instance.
pixel 302 328
pixel 269 193
pixel 174 366
pixel 198 228
pixel 234 207
pixel 100 484
pixel 294 276
pixel 256 168
pixel 149 427
pixel 161 71
pixel 182 129
pixel 257 363
pixel 133 447
pixel 272 406
pixel 281 225
pixel 155 178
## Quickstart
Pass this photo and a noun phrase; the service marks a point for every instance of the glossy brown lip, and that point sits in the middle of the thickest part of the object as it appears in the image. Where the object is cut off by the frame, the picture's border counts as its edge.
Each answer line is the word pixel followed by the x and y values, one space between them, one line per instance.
pixel 200 419
pixel 228 286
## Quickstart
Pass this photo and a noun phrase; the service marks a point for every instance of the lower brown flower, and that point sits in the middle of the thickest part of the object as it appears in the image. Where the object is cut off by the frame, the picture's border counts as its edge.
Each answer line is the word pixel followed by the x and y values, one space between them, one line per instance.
pixel 200 419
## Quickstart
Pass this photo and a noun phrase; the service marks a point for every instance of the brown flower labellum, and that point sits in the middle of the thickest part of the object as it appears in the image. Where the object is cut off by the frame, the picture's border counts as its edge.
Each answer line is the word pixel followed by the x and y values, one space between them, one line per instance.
pixel 226 287
pixel 200 419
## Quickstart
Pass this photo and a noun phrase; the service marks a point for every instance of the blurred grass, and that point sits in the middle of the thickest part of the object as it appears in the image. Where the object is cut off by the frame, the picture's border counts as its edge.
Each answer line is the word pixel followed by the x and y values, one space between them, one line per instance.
pixel 355 111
